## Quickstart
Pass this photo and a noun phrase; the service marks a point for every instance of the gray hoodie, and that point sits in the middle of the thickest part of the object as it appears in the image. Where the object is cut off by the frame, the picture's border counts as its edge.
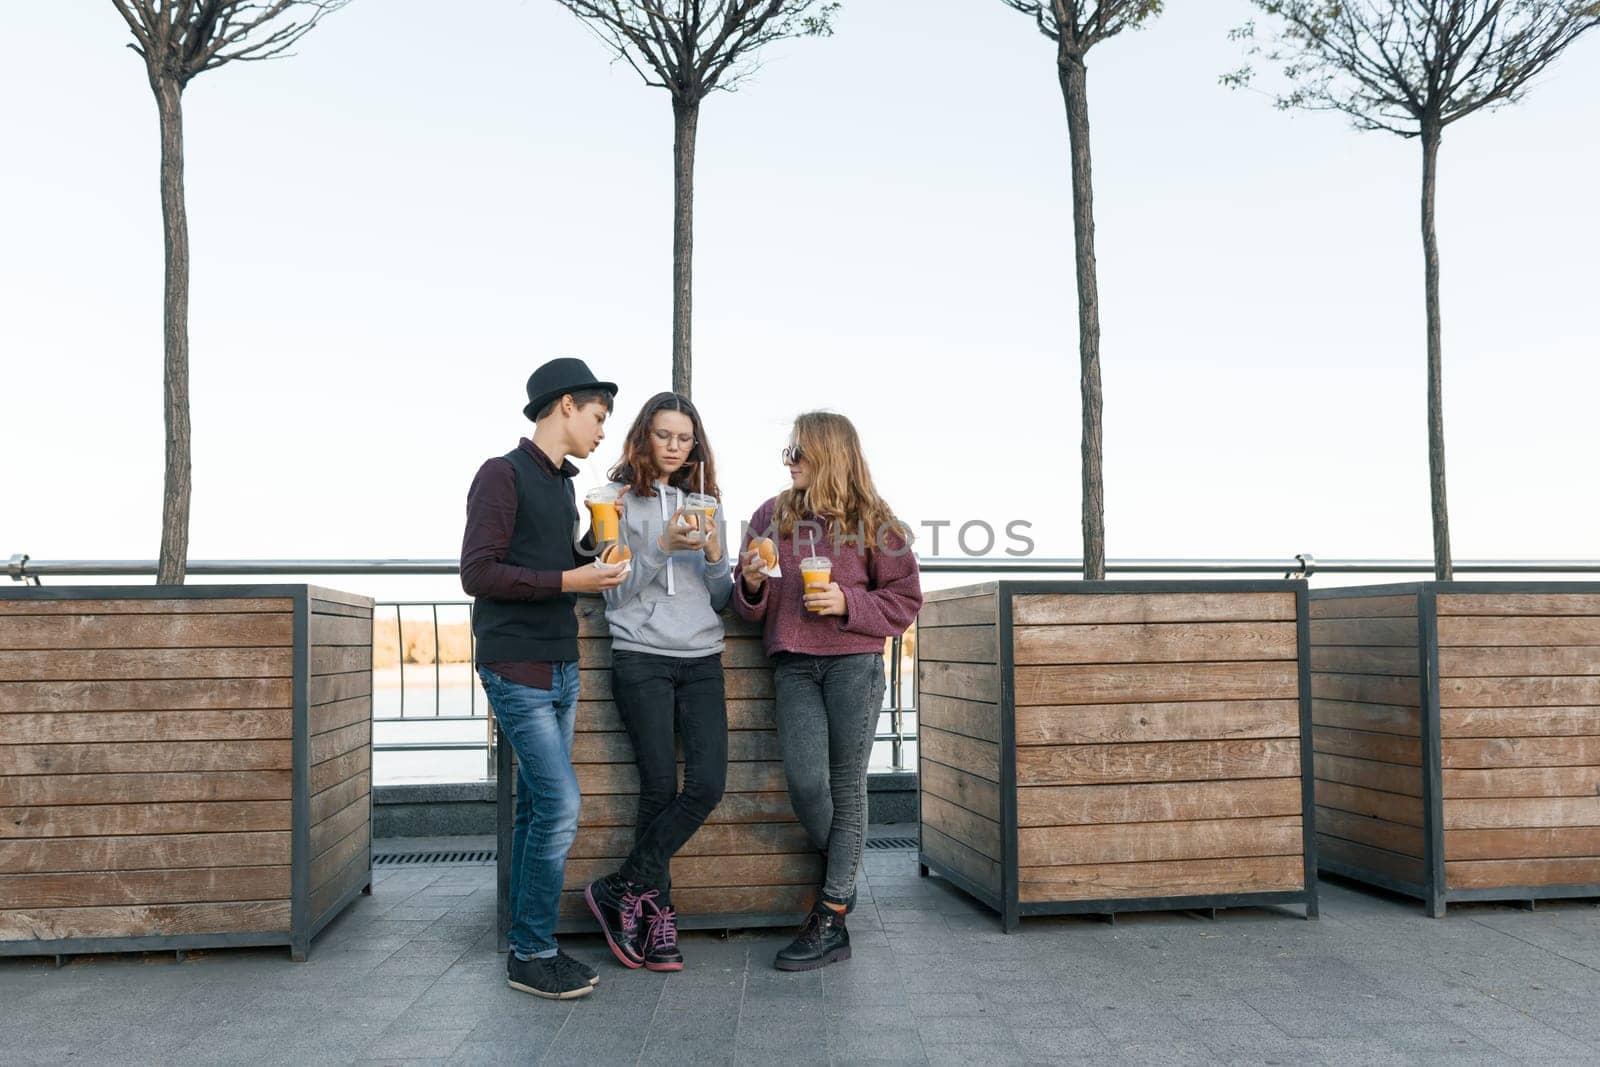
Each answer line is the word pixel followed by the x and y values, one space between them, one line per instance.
pixel 667 605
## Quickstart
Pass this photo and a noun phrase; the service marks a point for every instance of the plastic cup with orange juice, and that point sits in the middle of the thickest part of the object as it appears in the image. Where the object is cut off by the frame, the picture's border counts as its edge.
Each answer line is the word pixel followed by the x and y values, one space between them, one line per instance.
pixel 701 510
pixel 602 503
pixel 816 572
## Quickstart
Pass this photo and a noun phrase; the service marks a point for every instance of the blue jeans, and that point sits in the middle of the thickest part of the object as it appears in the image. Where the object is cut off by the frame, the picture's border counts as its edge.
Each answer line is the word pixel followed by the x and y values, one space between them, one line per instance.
pixel 539 723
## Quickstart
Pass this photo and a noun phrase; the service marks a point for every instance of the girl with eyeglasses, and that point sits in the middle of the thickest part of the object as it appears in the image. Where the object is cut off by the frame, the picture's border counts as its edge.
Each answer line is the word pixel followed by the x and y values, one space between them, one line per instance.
pixel 827 647
pixel 666 669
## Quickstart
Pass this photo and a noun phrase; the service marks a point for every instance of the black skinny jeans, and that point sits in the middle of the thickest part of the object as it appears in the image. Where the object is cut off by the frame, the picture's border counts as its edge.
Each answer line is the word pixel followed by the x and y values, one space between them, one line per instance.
pixel 658 696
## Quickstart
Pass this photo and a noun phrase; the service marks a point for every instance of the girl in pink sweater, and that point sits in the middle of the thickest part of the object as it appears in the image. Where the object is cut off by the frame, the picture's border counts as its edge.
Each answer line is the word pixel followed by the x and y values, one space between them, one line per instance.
pixel 827 649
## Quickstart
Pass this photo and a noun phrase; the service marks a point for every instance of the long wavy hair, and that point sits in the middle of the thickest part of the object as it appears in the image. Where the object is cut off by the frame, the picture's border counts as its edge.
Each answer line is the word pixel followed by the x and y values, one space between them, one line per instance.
pixel 841 491
pixel 637 468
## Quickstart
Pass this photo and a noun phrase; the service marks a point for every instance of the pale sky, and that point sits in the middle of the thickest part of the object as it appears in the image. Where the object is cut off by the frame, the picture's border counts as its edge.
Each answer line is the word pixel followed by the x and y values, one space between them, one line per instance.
pixel 393 227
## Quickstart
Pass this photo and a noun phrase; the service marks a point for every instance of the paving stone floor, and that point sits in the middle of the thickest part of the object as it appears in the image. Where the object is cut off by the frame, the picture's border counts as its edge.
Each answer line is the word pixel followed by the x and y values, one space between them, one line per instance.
pixel 411 974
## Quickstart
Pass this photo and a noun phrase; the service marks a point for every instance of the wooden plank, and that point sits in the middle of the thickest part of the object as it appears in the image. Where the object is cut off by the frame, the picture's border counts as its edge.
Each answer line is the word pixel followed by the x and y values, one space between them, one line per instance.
pixel 334 799
pixel 106 726
pixel 1518 661
pixel 1547 843
pixel 1519 604
pixel 620 809
pixel 84 889
pixel 624 778
pixel 105 820
pixel 1372 718
pixel 1359 744
pixel 1505 813
pixel 242 630
pixel 961 592
pixel 1494 874
pixel 724 900
pixel 1162 761
pixel 1372 832
pixel 1401 605
pixel 340 659
pixel 1063 609
pixel 1520 752
pixel 336 827
pixel 1081 724
pixel 1518 692
pixel 355 845
pixel 323 607
pixel 321 594
pixel 1364 659
pixel 356 873
pixel 159 852
pixel 1155 643
pixel 1366 689
pixel 724 839
pixel 959 644
pixel 144 920
pixel 339 714
pixel 51 789
pixel 1166 878
pixel 150 695
pixel 969 681
pixel 963 753
pixel 27 605
pixel 1152 841
pixel 1369 774
pixel 125 757
pixel 1145 683
pixel 326 746
pixel 1157 802
pixel 1366 858
pixel 1542 631
pixel 1361 801
pixel 331 688
pixel 330 773
pixel 970 718
pixel 982 610
pixel 944 851
pixel 601 716
pixel 1395 633
pixel 979 795
pixel 1523 782
pixel 123 663
pixel 700 872
pixel 971 829
pixel 340 630
pixel 1503 722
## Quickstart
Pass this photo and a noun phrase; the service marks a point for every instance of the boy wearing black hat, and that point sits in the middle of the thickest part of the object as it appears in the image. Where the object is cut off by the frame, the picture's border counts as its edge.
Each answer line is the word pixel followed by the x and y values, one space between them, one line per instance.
pixel 521 564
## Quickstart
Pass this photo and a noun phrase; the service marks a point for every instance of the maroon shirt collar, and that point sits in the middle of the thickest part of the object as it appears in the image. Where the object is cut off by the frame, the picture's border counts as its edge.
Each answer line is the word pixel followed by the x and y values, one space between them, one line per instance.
pixel 566 470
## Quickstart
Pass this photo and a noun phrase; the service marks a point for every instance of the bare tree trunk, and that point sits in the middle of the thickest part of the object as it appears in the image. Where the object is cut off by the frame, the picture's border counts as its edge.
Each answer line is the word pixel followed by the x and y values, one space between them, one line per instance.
pixel 686 121
pixel 175 378
pixel 1443 566
pixel 1074 89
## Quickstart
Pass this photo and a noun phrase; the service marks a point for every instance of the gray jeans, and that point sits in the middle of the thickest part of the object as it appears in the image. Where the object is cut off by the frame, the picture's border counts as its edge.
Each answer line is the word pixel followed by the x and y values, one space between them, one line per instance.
pixel 828 710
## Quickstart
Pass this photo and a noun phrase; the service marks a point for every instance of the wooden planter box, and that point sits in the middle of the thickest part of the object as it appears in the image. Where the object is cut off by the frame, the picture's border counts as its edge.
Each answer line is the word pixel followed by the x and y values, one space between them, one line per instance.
pixel 182 767
pixel 1100 747
pixel 1458 738
pixel 751 864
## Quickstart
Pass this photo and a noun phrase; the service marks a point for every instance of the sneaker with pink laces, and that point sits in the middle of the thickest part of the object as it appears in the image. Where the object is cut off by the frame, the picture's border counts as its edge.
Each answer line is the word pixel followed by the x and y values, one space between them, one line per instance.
pixel 661 936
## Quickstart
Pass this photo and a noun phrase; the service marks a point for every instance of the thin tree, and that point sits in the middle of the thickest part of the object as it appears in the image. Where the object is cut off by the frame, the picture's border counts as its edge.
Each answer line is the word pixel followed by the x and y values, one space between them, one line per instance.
pixel 1411 68
pixel 1077 26
pixel 692 48
pixel 179 39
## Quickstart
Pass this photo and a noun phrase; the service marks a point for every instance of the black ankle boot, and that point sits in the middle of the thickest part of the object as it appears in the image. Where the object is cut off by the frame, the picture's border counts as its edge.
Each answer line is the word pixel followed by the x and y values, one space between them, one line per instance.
pixel 822 940
pixel 616 905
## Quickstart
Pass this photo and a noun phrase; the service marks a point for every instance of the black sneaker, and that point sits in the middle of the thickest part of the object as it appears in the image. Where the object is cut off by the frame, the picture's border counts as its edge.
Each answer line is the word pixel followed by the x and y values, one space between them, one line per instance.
pixel 551 978
pixel 615 903
pixel 822 940
pixel 661 936
pixel 578 965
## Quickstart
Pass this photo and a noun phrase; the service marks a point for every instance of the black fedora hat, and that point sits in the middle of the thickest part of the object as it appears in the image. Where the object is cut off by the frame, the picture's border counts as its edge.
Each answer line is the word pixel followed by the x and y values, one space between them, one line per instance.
pixel 555 379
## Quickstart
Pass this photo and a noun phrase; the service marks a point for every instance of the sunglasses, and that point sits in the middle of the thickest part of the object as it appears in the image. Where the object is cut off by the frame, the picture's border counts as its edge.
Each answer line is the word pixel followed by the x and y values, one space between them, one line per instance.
pixel 792 455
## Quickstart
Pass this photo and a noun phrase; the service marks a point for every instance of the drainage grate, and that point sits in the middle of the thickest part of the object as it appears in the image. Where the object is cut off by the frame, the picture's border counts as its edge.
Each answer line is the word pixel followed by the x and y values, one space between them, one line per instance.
pixel 427 859
pixel 898 843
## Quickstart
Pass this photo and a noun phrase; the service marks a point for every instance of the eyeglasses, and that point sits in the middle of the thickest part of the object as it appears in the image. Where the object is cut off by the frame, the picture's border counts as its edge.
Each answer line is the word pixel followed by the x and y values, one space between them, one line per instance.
pixel 666 437
pixel 793 455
